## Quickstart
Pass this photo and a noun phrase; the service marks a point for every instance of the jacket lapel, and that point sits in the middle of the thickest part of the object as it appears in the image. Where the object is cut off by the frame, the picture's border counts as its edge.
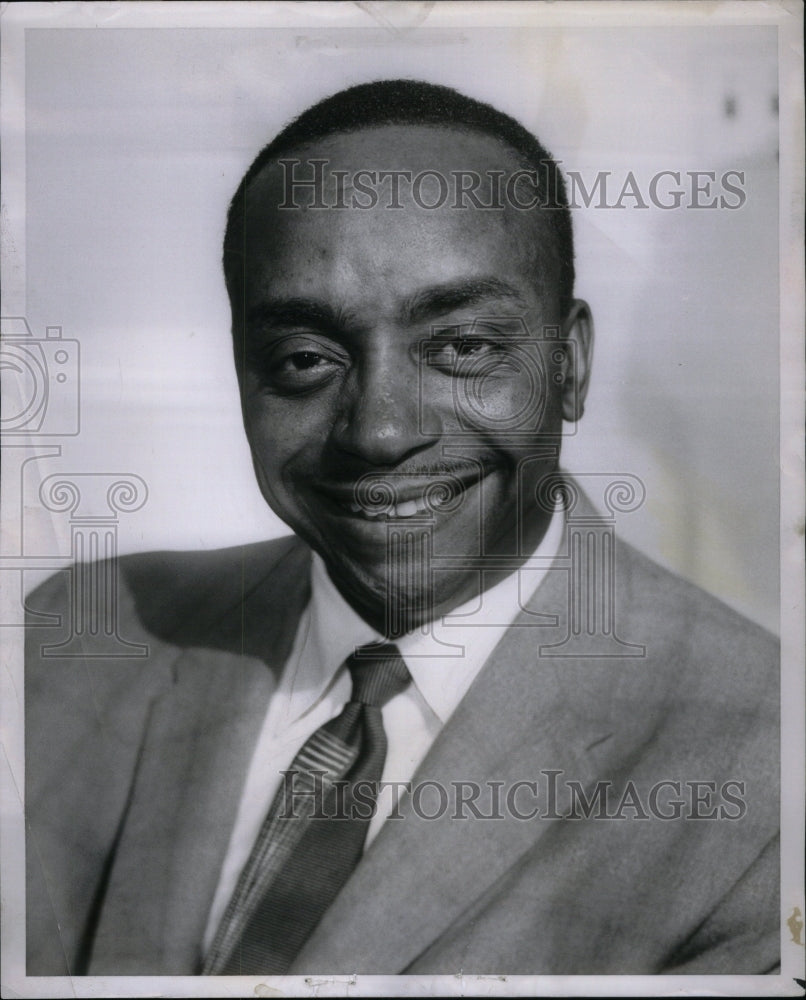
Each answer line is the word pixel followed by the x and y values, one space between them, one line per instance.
pixel 193 762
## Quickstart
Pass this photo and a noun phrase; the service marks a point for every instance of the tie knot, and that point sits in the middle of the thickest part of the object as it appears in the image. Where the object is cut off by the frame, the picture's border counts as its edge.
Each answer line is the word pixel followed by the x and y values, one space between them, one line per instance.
pixel 378 673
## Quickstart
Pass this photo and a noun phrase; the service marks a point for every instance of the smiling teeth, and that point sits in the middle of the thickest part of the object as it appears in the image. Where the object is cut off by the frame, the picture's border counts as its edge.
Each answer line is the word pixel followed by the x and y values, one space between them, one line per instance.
pixel 408 508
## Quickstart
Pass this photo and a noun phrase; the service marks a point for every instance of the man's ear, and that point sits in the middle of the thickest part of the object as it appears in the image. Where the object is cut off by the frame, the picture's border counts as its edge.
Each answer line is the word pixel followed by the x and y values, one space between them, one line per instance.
pixel 578 331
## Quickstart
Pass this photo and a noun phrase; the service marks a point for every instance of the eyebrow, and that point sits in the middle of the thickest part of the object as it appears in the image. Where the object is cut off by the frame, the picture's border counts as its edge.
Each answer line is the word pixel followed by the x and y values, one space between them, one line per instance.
pixel 423 305
pixel 445 298
pixel 298 311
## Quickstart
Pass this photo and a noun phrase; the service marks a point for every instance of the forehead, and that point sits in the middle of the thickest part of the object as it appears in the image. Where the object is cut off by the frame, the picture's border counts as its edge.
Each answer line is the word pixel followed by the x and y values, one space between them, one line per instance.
pixel 391 203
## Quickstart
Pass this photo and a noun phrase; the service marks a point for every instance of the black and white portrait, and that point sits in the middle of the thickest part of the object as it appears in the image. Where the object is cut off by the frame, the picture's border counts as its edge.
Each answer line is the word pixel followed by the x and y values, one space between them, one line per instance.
pixel 402 451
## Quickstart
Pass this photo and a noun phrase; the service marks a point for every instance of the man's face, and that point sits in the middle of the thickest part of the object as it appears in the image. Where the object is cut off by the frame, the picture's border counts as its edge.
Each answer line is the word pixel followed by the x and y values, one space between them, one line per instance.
pixel 403 379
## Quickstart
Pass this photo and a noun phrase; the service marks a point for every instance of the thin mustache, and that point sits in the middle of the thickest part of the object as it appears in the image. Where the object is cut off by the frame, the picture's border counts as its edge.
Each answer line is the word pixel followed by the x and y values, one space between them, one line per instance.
pixel 422 471
pixel 442 469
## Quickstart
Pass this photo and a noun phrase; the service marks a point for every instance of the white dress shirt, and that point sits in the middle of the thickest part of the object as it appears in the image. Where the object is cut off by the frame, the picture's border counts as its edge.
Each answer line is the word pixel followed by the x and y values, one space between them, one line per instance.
pixel 443 659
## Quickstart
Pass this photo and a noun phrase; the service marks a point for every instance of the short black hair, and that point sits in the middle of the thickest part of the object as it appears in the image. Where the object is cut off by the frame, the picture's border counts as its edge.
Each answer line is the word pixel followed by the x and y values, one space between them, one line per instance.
pixel 414 102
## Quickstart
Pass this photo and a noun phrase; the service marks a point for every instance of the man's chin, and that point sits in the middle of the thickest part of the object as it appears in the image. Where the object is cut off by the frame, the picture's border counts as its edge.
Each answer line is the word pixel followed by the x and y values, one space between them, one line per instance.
pixel 397 597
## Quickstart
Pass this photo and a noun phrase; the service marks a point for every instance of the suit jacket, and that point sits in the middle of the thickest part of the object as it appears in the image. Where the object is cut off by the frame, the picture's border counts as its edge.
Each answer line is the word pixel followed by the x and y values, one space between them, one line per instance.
pixel 135 767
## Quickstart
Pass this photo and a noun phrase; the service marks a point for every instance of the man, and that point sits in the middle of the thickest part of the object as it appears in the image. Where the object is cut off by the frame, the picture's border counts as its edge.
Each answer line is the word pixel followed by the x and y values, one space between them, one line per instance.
pixel 572 765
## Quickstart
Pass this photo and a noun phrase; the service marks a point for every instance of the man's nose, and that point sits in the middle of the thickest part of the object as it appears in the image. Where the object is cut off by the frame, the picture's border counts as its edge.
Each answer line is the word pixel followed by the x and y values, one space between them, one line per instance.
pixel 382 420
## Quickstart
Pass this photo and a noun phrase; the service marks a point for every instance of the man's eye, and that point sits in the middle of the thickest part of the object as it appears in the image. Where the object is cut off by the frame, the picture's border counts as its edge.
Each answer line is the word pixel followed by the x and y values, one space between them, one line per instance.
pixel 294 363
pixel 302 370
pixel 464 355
pixel 302 361
pixel 472 348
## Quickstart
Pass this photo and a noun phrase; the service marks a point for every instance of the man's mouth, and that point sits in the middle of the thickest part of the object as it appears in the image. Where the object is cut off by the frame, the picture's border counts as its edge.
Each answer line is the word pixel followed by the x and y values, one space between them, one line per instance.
pixel 384 497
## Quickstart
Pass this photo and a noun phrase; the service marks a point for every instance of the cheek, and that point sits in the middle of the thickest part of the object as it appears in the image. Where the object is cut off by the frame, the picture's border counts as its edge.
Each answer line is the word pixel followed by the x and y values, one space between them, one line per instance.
pixel 276 453
pixel 264 433
pixel 281 430
pixel 512 399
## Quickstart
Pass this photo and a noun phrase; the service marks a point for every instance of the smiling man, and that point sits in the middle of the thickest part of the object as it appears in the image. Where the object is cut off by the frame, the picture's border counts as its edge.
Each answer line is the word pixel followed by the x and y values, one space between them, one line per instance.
pixel 450 725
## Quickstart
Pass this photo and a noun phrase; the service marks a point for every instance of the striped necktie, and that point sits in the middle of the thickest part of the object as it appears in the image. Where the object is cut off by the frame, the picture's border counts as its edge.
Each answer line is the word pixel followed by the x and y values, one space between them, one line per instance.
pixel 314 832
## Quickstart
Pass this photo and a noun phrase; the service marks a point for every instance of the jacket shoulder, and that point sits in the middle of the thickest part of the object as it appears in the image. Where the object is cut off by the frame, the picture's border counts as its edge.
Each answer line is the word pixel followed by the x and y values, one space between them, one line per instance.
pixel 690 627
pixel 178 593
pixel 179 596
